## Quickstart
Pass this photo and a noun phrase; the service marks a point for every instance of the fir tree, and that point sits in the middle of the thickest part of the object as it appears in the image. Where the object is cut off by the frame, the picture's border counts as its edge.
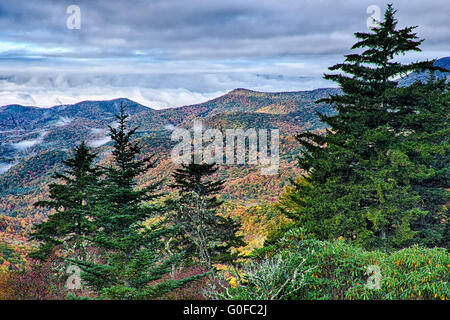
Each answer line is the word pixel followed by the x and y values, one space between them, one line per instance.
pixel 119 196
pixel 203 231
pixel 426 141
pixel 72 202
pixel 360 181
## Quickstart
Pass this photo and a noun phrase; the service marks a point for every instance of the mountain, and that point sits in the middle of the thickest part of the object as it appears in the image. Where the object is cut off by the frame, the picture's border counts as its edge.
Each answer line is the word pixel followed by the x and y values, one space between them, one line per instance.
pixel 34 140
pixel 443 63
pixel 27 131
pixel 26 118
pixel 243 100
pixel 285 105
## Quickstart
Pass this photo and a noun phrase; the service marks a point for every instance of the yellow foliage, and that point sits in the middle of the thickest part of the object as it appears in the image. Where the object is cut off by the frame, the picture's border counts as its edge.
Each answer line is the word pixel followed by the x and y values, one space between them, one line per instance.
pixel 4 286
pixel 233 282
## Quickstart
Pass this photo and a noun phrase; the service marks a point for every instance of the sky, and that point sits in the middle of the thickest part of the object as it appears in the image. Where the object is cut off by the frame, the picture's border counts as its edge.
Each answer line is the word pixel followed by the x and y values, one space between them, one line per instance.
pixel 169 53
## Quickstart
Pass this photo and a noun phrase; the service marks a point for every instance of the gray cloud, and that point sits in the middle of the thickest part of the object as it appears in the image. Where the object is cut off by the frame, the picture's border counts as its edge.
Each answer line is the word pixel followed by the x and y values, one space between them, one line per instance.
pixel 195 28
pixel 156 85
pixel 170 52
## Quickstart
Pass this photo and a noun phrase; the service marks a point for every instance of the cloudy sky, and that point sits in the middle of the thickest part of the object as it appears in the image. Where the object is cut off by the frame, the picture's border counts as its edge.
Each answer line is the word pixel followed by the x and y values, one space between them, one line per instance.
pixel 165 53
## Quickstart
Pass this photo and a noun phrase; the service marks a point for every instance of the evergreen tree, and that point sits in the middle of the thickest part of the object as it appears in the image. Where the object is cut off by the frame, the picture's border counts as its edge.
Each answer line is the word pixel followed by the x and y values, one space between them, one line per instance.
pixel 72 202
pixel 361 182
pixel 121 200
pixel 133 247
pixel 426 141
pixel 203 231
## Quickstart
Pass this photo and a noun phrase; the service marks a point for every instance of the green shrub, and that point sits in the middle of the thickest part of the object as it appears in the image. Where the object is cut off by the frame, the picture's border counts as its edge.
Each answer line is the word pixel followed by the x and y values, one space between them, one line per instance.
pixel 339 267
pixel 411 273
pixel 275 278
pixel 312 269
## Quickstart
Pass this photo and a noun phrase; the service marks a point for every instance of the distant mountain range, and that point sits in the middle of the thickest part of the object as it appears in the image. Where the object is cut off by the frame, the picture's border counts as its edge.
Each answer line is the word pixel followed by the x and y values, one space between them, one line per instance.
pixel 33 141
pixel 26 130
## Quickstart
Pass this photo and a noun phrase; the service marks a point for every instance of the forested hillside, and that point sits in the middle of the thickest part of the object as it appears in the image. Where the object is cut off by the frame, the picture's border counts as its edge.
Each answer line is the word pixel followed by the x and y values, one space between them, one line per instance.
pixel 35 143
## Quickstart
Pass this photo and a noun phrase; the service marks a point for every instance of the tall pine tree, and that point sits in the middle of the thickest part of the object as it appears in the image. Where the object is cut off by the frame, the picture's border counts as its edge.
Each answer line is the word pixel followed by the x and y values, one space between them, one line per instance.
pixel 72 201
pixel 204 232
pixel 361 183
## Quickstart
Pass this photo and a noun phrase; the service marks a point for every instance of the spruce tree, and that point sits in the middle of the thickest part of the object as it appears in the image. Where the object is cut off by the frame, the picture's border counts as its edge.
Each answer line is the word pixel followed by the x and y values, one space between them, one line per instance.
pixel 360 182
pixel 72 202
pixel 204 232
pixel 426 141
pixel 133 258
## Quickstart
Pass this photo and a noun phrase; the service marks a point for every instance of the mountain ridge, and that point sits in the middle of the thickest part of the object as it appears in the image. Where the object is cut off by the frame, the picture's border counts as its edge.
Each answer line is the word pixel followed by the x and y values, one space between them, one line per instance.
pixel 31 153
pixel 443 63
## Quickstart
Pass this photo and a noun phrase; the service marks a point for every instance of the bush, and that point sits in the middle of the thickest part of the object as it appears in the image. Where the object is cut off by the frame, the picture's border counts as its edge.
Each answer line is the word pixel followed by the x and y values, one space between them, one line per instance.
pixel 339 267
pixel 411 273
pixel 36 282
pixel 5 290
pixel 311 269
pixel 278 277
pixel 39 281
